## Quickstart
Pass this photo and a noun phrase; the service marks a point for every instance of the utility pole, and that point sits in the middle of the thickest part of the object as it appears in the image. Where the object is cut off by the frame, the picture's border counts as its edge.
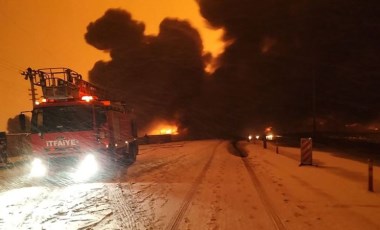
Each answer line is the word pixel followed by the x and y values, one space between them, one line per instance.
pixel 29 75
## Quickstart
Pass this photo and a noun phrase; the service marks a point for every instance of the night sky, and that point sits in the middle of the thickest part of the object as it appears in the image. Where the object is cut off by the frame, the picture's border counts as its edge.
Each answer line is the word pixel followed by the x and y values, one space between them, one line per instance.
pixel 274 52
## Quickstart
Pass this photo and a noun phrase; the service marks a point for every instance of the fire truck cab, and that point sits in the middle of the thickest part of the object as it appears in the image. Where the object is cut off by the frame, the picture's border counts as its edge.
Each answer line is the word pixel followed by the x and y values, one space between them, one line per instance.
pixel 75 127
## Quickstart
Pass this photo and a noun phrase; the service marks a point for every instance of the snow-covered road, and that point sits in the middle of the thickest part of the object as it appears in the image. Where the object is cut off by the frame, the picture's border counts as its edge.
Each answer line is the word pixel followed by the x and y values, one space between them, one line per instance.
pixel 191 185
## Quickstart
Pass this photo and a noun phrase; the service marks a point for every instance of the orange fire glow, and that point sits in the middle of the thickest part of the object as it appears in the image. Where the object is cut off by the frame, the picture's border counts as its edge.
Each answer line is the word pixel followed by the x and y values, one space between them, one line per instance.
pixel 169 131
pixel 162 128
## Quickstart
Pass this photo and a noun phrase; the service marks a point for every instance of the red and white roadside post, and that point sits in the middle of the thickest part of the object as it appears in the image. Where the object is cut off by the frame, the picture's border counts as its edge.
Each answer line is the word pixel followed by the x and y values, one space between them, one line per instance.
pixel 306 151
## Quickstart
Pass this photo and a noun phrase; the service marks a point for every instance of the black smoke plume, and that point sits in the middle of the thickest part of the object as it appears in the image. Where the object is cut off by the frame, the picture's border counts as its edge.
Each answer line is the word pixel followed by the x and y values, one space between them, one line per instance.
pixel 283 52
pixel 159 76
pixel 285 62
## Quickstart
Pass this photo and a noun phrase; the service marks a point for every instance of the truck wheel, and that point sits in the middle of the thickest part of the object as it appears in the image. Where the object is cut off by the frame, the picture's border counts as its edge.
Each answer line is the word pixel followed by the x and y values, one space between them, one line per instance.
pixel 136 148
pixel 134 151
pixel 131 154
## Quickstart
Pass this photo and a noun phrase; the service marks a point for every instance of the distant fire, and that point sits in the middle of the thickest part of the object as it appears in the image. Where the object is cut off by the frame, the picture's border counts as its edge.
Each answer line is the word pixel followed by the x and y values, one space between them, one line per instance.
pixel 172 130
pixel 162 128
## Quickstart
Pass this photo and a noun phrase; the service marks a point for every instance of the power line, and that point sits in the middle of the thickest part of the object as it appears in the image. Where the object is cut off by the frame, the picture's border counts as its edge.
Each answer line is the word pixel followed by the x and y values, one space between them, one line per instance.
pixel 8 65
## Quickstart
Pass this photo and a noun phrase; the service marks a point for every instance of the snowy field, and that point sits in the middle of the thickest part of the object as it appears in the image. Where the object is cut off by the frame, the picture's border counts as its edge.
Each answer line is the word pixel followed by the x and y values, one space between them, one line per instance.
pixel 201 185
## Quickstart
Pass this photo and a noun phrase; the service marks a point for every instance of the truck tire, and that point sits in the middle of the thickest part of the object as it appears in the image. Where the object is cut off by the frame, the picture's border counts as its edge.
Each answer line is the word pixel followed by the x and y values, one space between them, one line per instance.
pixel 134 150
pixel 131 154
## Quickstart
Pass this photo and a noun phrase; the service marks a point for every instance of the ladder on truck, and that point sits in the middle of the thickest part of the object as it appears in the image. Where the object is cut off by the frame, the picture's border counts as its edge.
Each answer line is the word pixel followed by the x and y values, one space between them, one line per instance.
pixel 61 83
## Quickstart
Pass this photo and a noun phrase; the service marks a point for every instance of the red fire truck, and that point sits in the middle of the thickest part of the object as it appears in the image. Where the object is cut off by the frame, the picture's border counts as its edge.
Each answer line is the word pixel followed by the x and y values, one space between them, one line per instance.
pixel 75 126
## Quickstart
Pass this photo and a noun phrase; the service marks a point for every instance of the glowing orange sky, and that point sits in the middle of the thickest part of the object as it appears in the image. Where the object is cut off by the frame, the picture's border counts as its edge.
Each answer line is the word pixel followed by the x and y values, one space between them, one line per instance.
pixel 42 34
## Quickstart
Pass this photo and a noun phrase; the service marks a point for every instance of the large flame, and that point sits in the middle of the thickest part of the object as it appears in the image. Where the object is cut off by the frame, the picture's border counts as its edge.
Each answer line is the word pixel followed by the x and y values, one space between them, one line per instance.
pixel 169 130
pixel 162 128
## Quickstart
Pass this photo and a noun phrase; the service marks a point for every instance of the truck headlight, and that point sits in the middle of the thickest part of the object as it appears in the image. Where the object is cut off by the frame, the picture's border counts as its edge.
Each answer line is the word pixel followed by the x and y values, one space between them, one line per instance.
pixel 38 169
pixel 87 168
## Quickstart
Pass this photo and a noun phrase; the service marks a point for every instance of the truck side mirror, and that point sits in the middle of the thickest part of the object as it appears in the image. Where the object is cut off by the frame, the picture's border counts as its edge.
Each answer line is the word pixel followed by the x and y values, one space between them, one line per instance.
pixel 22 121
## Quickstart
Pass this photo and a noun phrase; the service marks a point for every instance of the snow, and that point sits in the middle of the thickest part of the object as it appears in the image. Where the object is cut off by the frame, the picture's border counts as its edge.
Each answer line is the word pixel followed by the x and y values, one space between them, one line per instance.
pixel 70 207
pixel 204 185
pixel 331 195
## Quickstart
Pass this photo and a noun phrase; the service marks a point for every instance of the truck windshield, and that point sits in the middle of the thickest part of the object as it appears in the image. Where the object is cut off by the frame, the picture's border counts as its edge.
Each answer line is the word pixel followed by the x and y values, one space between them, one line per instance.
pixel 62 119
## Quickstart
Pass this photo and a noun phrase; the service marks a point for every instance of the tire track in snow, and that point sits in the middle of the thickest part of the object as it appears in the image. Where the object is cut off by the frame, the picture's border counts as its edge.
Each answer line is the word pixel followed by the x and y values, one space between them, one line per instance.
pixel 260 191
pixel 178 216
pixel 154 166
pixel 151 167
pixel 124 212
